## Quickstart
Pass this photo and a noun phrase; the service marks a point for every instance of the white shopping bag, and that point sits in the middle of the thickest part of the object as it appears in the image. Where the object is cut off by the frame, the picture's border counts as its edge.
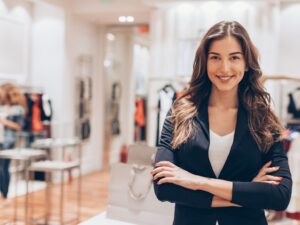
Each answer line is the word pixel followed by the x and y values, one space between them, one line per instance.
pixel 132 198
pixel 141 154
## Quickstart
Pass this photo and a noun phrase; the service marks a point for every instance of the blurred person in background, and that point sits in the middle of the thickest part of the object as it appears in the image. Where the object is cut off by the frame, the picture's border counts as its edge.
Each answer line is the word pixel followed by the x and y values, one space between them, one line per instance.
pixel 12 112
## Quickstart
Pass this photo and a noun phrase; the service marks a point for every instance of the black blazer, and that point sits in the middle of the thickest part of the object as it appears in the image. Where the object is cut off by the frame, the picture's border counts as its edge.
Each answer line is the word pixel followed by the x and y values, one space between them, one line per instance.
pixel 242 165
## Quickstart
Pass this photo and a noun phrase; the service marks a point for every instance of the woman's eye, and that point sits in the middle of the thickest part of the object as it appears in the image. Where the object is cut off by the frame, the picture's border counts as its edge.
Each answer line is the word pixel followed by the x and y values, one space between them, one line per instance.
pixel 235 57
pixel 214 57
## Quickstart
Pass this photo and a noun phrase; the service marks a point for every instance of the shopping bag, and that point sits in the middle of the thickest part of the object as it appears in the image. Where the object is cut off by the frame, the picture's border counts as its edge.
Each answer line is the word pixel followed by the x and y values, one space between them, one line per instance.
pixel 132 199
pixel 141 154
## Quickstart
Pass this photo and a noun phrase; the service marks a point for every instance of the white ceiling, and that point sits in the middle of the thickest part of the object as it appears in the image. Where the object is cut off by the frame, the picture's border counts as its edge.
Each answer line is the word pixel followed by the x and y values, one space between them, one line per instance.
pixel 108 11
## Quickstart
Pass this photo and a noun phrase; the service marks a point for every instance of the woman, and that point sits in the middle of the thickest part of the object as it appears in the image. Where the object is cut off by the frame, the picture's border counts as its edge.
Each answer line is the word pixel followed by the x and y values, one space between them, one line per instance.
pixel 14 105
pixel 220 157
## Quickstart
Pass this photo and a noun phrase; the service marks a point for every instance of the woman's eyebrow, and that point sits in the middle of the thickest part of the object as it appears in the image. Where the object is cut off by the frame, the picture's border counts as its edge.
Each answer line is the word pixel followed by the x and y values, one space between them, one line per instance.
pixel 235 53
pixel 215 53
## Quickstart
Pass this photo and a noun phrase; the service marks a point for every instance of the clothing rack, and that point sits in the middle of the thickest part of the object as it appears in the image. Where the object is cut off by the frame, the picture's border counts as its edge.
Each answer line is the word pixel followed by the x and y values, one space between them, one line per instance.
pixel 184 80
pixel 31 89
pixel 282 78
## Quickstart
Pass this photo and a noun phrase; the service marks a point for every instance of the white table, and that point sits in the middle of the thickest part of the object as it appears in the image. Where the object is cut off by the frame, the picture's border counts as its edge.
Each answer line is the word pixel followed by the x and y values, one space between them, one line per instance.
pixel 28 156
pixel 103 220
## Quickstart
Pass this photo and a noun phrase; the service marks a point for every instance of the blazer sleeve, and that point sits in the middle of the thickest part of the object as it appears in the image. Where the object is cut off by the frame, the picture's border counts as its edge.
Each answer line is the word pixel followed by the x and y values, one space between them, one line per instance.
pixel 171 192
pixel 264 195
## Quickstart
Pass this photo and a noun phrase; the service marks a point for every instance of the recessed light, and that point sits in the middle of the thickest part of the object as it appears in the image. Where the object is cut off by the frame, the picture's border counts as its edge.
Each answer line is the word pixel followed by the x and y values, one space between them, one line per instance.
pixel 110 37
pixel 130 19
pixel 122 19
pixel 126 19
pixel 107 63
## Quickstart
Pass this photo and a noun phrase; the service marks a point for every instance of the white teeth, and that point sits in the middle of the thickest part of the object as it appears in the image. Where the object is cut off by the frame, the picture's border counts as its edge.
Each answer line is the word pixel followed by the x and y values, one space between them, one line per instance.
pixel 224 77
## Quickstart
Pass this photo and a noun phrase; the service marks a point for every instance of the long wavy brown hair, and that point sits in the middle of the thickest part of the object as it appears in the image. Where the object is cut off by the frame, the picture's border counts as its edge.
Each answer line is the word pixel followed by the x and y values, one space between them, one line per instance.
pixel 262 122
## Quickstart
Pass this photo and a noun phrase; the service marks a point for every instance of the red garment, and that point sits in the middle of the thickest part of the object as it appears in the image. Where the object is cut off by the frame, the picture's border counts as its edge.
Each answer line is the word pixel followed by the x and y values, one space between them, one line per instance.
pixel 36 123
pixel 139 113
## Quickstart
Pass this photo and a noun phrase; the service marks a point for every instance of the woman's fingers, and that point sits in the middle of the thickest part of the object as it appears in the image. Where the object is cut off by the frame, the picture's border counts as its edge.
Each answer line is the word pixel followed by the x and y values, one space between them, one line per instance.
pixel 272 178
pixel 163 174
pixel 160 169
pixel 271 182
pixel 267 169
pixel 166 180
pixel 272 169
pixel 165 163
pixel 267 165
pixel 268 178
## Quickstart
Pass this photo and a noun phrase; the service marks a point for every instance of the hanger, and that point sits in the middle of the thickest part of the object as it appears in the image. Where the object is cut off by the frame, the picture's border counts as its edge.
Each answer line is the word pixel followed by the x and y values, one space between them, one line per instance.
pixel 166 87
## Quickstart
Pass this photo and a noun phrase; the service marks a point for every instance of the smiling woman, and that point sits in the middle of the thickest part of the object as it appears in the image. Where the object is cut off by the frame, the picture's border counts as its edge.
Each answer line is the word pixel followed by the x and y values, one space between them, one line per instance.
pixel 225 64
pixel 220 156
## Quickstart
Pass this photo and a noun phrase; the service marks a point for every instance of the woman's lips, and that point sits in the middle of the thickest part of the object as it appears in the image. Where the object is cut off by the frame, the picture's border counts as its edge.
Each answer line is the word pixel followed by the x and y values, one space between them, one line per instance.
pixel 224 78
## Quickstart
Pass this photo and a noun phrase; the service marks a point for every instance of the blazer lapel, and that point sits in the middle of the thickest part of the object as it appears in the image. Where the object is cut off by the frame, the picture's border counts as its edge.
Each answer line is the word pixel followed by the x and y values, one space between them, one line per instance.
pixel 240 130
pixel 241 126
pixel 202 118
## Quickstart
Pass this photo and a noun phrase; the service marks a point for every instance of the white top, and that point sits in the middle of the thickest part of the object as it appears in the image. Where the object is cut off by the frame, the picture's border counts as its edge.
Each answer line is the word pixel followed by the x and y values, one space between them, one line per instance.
pixel 219 149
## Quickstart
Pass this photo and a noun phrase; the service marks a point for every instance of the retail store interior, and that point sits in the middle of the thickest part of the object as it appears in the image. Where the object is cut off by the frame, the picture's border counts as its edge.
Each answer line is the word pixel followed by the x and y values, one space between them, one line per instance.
pixel 97 78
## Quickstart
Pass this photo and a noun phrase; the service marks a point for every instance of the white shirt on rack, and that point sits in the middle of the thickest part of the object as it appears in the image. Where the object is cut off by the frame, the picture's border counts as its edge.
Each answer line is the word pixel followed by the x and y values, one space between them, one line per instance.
pixel 218 151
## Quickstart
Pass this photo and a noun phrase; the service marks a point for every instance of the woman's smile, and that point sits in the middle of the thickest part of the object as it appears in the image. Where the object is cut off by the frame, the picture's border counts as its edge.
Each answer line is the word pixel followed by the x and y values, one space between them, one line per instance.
pixel 225 78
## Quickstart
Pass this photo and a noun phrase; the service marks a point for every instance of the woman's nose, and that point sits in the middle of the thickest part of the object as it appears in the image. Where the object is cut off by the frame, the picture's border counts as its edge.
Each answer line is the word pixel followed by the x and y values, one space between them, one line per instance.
pixel 225 67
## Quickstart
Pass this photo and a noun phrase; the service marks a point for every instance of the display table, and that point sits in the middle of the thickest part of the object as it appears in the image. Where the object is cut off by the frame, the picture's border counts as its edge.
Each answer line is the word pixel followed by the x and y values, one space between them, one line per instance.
pixel 56 166
pixel 26 155
pixel 103 220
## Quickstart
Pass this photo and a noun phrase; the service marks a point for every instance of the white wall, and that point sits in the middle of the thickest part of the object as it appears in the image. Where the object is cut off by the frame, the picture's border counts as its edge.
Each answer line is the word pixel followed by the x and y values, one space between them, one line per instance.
pixel 289 45
pixel 59 39
pixel 84 38
pixel 15 21
pixel 48 57
pixel 288 57
pixel 119 53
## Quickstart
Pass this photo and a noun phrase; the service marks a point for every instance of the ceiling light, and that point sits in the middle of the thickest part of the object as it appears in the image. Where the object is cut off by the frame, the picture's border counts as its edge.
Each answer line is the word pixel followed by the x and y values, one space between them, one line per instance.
pixel 126 19
pixel 107 63
pixel 110 37
pixel 122 19
pixel 130 19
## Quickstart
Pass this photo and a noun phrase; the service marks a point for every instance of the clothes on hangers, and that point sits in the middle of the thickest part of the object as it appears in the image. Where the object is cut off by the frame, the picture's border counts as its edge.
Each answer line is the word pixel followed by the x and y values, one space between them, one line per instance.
pixel 115 102
pixel 140 120
pixel 167 96
pixel 294 103
pixel 36 122
pixel 85 129
pixel 39 111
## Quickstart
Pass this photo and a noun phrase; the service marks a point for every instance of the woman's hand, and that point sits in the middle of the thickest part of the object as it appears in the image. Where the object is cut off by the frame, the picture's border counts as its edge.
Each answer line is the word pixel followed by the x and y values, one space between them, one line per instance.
pixel 263 175
pixel 170 173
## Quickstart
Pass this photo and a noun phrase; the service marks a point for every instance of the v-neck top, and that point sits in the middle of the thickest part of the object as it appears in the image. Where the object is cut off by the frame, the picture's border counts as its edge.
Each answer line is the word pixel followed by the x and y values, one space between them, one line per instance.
pixel 219 149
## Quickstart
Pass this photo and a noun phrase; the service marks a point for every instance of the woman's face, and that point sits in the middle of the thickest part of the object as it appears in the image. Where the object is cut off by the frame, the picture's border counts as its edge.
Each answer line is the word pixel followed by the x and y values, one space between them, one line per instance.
pixel 14 97
pixel 225 64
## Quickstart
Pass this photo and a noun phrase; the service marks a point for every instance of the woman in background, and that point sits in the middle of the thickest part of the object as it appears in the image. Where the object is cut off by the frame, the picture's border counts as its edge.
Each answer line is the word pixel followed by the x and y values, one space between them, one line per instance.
pixel 13 109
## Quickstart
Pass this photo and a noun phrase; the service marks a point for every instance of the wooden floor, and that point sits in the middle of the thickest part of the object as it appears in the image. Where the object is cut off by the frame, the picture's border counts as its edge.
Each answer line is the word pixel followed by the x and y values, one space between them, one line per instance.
pixel 93 199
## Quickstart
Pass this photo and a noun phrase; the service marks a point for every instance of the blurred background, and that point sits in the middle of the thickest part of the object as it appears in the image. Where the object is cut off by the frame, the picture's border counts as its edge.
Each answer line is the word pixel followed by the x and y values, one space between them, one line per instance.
pixel 98 76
